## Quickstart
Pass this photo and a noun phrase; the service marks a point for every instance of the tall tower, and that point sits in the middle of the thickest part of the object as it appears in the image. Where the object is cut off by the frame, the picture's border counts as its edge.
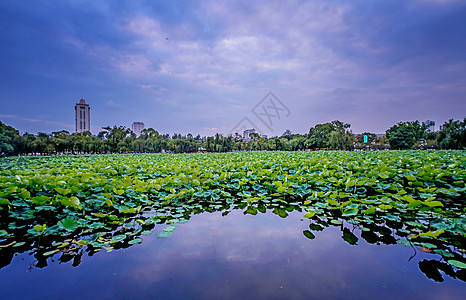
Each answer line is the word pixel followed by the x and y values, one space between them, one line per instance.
pixel 137 127
pixel 82 116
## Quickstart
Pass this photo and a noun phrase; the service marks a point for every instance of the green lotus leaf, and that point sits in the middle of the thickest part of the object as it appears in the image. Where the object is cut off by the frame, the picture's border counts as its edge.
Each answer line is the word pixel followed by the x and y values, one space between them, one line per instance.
pixel 308 234
pixel 135 241
pixel 370 210
pixel 69 224
pixel 40 228
pixel 433 203
pixel 39 200
pixel 350 212
pixel 251 210
pixel 432 233
pixel 385 207
pixel 164 234
pixel 48 253
pixel 118 238
pixel 349 237
pixel 4 201
pixel 410 177
pixel 62 191
pixel 169 228
pixel 309 215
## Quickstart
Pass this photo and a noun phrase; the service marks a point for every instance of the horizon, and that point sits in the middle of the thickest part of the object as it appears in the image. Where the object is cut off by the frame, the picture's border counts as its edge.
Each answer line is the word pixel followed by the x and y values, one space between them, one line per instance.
pixel 209 67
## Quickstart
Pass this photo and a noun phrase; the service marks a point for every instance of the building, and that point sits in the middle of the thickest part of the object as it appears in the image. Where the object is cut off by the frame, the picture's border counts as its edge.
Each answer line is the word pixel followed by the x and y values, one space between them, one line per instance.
pixel 82 116
pixel 429 124
pixel 137 128
pixel 247 133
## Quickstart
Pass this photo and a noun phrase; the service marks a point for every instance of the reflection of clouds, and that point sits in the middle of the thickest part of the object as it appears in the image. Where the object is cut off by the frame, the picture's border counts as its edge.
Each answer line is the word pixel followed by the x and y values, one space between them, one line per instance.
pixel 265 256
pixel 234 239
pixel 238 257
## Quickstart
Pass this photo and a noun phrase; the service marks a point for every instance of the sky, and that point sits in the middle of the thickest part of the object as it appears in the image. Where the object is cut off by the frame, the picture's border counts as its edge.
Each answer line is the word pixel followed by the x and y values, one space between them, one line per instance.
pixel 209 66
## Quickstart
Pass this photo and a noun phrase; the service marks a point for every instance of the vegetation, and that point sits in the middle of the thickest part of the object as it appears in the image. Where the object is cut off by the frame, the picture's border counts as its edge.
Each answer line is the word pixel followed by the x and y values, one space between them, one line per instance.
pixel 334 135
pixel 68 205
pixel 452 135
pixel 7 139
pixel 405 135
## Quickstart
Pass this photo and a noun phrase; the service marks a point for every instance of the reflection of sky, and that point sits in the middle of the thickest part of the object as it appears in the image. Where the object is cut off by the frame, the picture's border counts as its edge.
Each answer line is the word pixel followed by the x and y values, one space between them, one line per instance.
pixel 235 257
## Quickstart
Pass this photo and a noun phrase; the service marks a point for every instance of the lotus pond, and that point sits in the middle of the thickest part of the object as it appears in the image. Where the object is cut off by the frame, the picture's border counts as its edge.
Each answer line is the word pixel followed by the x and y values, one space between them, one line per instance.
pixel 236 225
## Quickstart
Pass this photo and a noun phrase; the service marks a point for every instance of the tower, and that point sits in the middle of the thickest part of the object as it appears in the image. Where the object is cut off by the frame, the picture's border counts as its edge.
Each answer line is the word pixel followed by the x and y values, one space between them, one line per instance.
pixel 137 127
pixel 82 116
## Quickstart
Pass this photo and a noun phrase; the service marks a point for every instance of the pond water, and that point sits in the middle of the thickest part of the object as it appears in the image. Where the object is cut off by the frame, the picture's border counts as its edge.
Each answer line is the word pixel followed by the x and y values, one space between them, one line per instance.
pixel 236 256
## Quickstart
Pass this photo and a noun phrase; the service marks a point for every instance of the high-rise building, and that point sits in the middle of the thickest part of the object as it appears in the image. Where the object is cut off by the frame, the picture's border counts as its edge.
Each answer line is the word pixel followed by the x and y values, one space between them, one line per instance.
pixel 82 116
pixel 137 127
pixel 247 133
pixel 429 124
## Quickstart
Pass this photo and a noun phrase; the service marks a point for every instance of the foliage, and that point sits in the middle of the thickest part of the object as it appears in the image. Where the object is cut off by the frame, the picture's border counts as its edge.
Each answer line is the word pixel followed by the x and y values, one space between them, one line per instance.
pixel 334 135
pixel 65 204
pixel 7 139
pixel 452 135
pixel 404 135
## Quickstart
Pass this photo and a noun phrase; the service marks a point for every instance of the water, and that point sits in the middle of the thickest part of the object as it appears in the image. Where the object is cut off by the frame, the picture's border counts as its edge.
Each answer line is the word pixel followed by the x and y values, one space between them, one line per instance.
pixel 235 257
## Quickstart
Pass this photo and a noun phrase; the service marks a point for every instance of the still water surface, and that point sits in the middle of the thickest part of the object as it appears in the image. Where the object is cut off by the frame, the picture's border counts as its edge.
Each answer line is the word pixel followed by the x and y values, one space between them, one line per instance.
pixel 235 257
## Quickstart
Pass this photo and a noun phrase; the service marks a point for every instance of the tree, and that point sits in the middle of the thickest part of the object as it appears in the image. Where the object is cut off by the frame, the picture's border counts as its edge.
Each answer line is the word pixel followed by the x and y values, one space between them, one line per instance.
pixel 115 135
pixel 148 133
pixel 335 135
pixel 62 141
pixel 404 135
pixel 287 134
pixel 341 140
pixel 254 136
pixel 43 144
pixel 452 135
pixel 319 135
pixel 8 135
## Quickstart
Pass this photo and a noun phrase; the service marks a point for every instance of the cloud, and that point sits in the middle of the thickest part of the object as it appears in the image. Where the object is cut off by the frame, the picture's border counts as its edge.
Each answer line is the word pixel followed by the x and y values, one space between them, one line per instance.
pixel 345 91
pixel 113 105
pixel 33 120
pixel 202 63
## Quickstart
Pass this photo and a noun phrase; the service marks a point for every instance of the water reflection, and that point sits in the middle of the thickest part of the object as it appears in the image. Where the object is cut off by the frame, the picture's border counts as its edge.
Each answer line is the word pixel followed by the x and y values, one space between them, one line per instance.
pixel 162 222
pixel 238 256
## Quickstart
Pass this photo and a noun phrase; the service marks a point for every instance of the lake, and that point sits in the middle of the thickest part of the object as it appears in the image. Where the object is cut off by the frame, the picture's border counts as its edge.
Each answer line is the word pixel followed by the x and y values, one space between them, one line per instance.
pixel 238 256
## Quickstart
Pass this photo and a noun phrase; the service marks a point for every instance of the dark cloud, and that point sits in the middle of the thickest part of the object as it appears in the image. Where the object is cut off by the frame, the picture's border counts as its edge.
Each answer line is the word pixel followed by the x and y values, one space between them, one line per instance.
pixel 186 66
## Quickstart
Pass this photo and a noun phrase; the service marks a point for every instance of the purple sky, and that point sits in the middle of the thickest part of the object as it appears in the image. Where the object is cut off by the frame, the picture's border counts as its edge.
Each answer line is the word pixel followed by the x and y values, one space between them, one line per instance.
pixel 201 67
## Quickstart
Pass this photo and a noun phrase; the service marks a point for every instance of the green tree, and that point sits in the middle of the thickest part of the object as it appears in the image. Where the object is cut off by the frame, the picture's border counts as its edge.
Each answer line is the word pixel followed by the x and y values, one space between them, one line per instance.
pixel 43 144
pixel 335 135
pixel 149 133
pixel 287 134
pixel 404 135
pixel 8 135
pixel 62 141
pixel 341 140
pixel 114 136
pixel 452 135
pixel 319 136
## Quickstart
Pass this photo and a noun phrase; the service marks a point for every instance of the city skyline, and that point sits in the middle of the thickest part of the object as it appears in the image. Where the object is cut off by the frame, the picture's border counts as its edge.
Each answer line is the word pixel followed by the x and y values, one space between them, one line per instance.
pixel 204 67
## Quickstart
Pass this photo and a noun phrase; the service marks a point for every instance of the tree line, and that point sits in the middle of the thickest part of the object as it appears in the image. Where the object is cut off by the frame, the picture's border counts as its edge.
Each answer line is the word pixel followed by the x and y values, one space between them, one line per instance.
pixel 333 135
